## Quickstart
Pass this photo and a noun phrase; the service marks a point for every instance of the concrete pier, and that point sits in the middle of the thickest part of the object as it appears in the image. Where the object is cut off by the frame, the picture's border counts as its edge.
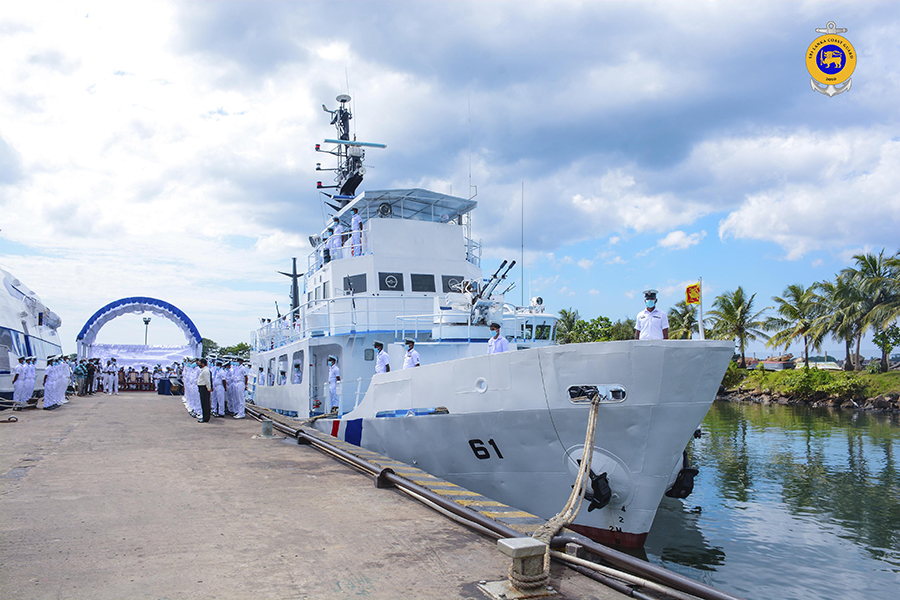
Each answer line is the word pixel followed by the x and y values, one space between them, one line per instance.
pixel 129 497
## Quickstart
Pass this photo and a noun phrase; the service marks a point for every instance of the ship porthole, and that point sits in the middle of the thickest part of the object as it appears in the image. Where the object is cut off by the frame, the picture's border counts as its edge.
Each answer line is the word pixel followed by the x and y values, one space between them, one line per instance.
pixel 481 385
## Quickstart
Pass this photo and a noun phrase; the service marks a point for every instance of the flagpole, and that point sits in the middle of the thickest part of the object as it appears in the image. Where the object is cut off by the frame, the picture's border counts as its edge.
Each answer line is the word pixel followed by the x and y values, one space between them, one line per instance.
pixel 702 331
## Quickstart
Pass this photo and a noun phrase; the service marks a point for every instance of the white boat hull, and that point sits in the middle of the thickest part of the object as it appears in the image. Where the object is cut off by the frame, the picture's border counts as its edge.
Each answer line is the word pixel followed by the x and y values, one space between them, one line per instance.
pixel 513 434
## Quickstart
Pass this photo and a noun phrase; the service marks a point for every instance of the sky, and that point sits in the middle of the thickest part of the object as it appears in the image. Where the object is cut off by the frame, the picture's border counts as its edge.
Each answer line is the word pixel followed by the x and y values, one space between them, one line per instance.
pixel 166 149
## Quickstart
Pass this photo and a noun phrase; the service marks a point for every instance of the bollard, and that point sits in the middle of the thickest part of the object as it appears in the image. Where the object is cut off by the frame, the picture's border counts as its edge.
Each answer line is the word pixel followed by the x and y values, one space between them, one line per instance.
pixel 527 572
pixel 266 428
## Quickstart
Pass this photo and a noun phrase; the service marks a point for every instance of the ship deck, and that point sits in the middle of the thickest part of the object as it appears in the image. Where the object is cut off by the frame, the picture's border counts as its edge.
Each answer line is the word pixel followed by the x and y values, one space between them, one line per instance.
pixel 128 497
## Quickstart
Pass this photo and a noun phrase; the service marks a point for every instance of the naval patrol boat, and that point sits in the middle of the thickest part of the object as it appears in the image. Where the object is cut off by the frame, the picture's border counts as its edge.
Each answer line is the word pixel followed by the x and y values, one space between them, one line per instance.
pixel 510 426
pixel 27 328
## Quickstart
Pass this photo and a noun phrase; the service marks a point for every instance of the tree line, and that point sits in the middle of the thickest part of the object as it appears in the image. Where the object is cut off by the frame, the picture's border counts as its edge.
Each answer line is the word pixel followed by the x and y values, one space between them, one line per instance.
pixel 862 298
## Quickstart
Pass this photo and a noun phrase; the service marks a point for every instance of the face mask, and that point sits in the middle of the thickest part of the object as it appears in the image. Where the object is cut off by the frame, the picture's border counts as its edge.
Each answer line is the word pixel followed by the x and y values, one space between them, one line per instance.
pixel 408 347
pixel 650 303
pixel 496 333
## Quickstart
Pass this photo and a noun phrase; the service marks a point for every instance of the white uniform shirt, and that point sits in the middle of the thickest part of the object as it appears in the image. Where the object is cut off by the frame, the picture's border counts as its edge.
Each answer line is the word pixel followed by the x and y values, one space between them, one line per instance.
pixel 355 231
pixel 31 373
pixel 238 373
pixel 382 361
pixel 21 370
pixel 333 373
pixel 411 360
pixel 651 324
pixel 498 344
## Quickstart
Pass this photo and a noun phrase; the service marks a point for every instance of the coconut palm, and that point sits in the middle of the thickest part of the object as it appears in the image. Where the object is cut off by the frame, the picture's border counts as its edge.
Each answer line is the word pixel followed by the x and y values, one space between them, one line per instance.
pixel 733 318
pixel 876 277
pixel 797 310
pixel 566 325
pixel 841 317
pixel 683 321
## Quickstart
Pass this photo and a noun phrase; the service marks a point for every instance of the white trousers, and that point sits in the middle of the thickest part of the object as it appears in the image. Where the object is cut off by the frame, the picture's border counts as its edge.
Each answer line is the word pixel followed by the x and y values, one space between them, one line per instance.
pixel 238 409
pixel 218 400
pixel 20 387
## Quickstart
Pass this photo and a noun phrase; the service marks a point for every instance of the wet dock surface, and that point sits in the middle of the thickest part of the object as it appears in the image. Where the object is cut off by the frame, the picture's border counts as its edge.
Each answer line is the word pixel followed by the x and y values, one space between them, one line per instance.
pixel 129 497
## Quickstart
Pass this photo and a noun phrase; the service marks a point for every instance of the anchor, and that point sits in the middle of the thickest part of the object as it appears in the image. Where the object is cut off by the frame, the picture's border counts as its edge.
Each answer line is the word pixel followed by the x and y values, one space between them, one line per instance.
pixel 830 90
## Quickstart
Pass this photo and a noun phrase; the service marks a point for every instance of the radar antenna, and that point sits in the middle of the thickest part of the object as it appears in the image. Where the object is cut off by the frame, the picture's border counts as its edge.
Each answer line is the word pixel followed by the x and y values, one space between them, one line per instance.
pixel 350 156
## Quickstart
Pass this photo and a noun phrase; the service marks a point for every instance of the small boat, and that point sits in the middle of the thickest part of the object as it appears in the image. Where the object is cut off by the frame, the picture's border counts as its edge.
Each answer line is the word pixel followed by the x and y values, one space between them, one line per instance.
pixel 510 426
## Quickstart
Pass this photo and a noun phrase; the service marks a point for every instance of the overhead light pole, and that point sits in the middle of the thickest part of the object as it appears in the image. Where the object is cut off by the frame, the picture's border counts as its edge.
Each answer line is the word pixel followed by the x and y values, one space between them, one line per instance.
pixel 146 328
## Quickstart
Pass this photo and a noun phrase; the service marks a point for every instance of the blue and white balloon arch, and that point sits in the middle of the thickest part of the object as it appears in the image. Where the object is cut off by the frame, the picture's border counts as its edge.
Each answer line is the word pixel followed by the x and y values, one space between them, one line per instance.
pixel 138 305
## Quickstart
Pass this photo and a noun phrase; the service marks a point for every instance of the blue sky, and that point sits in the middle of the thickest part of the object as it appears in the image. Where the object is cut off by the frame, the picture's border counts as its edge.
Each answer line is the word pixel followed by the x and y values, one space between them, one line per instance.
pixel 166 149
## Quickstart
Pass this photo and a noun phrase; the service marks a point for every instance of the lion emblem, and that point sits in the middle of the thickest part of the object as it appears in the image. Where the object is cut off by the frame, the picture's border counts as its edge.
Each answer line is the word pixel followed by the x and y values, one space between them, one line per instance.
pixel 831 58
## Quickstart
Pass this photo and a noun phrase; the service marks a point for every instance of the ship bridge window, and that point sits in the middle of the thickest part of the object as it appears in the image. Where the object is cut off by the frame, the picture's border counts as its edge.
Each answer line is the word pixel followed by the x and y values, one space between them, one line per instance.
pixel 542 332
pixel 355 284
pixel 390 282
pixel 422 283
pixel 297 368
pixel 527 330
pixel 282 369
pixel 451 283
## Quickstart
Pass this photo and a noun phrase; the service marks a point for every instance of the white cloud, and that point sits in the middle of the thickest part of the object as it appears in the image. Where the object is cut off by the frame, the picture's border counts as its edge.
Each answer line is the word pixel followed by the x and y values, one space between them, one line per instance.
pixel 852 191
pixel 585 264
pixel 679 240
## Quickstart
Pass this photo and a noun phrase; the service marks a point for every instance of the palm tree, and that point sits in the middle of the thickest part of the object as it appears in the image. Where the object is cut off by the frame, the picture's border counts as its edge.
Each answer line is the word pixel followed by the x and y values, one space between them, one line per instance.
pixel 798 310
pixel 566 325
pixel 733 319
pixel 840 316
pixel 683 321
pixel 876 277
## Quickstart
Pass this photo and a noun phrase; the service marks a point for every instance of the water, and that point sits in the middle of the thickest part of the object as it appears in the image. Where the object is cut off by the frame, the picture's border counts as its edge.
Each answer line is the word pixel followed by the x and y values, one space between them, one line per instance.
pixel 790 503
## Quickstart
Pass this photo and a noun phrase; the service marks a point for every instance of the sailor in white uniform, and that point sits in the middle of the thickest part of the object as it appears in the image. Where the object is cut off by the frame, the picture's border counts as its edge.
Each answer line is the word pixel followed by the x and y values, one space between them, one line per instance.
pixel 355 233
pixel 50 380
pixel 497 343
pixel 114 378
pixel 412 356
pixel 337 239
pixel 106 369
pixel 239 383
pixel 19 381
pixel 382 359
pixel 220 385
pixel 651 324
pixel 30 376
pixel 334 375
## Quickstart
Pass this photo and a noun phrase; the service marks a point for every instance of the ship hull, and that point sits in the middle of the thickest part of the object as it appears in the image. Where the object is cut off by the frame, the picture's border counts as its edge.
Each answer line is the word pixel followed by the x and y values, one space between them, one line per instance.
pixel 513 432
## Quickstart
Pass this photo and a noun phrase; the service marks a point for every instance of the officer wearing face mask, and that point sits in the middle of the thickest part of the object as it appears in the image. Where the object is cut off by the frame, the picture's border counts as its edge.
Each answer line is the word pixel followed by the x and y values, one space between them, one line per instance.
pixel 497 343
pixel 651 324
pixel 412 356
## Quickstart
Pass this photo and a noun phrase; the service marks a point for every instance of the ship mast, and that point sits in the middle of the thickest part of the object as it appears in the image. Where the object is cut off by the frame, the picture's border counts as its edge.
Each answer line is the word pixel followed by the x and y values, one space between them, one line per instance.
pixel 350 156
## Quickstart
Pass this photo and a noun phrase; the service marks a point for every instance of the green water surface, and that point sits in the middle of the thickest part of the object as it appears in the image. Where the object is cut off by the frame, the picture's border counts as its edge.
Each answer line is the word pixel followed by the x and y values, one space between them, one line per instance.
pixel 790 503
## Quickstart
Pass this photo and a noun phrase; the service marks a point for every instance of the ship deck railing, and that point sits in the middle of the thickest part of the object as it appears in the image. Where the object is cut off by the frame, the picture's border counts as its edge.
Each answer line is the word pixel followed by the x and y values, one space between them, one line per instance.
pixel 403 315
pixel 345 315
pixel 518 328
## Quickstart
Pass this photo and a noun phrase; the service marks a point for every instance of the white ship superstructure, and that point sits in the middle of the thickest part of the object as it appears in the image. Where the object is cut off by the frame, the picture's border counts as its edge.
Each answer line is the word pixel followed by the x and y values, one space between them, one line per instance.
pixel 510 426
pixel 27 328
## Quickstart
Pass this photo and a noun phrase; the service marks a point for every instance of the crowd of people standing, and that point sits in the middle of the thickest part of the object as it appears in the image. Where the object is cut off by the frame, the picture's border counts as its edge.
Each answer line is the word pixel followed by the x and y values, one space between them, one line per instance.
pixel 215 391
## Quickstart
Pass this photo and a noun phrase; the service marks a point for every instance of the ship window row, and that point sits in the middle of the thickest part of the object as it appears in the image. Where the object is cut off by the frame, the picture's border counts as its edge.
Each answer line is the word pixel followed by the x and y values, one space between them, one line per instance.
pixel 279 375
pixel 396 282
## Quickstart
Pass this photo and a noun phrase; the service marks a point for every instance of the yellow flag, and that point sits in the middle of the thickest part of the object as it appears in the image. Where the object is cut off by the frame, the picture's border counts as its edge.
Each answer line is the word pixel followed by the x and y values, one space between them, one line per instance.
pixel 692 294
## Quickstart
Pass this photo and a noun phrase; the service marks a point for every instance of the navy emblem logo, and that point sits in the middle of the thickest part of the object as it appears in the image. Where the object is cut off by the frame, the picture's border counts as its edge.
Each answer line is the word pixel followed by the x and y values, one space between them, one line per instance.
pixel 830 60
